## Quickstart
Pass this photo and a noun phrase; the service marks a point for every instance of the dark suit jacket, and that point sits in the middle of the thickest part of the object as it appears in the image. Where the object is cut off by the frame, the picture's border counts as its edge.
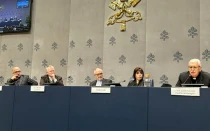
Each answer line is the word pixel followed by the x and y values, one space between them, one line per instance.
pixel 202 78
pixel 133 83
pixel 23 80
pixel 45 79
pixel 104 81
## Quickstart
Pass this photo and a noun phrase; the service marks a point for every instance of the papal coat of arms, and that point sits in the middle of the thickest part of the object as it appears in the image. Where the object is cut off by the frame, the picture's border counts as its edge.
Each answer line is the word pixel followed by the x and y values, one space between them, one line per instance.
pixel 123 7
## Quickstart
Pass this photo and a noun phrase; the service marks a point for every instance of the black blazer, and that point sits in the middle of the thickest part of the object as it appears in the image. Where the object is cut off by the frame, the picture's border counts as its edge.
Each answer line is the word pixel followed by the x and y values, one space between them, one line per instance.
pixel 23 80
pixel 133 83
pixel 104 81
pixel 45 79
pixel 202 78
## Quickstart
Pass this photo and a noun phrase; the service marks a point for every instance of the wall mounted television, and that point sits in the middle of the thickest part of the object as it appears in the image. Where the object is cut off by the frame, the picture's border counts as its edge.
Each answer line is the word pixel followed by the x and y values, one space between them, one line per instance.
pixel 15 16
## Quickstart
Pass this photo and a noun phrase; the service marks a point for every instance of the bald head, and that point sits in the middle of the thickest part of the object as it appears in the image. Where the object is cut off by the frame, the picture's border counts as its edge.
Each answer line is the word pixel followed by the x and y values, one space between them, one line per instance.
pixel 15 68
pixel 16 71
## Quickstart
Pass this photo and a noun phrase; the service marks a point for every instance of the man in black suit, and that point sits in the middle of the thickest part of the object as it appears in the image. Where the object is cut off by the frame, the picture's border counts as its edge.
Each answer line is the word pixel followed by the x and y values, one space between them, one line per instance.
pixel 194 75
pixel 100 81
pixel 50 78
pixel 18 79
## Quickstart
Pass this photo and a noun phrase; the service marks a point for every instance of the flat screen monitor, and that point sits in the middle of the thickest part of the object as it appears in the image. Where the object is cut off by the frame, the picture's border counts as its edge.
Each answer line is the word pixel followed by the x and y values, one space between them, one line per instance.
pixel 15 16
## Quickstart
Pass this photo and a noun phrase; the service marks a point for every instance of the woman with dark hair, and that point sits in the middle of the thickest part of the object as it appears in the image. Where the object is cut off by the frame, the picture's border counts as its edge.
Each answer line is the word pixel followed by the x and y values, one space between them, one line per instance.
pixel 138 75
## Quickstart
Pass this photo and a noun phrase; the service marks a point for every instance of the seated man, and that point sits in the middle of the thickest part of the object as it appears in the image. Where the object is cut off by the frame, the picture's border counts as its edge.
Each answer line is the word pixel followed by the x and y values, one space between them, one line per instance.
pixel 50 78
pixel 18 79
pixel 100 81
pixel 194 75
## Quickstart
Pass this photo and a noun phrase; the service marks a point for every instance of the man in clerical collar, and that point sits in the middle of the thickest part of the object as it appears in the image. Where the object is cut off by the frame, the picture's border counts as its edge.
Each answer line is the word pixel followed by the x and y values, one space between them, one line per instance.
pixel 194 75
pixel 100 81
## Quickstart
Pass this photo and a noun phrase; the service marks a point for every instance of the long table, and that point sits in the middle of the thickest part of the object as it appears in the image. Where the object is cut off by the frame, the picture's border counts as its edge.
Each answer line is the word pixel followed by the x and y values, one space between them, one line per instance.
pixel 178 113
pixel 124 109
pixel 6 108
pixel 46 111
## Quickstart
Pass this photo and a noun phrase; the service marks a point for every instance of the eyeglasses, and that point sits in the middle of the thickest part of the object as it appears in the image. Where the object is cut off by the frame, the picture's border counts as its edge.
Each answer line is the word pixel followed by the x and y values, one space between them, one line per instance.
pixel 17 72
pixel 98 74
pixel 193 67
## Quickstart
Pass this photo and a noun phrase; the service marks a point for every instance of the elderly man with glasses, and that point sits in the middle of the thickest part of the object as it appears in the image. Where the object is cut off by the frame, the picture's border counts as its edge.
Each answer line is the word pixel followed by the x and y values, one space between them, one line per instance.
pixel 18 79
pixel 194 75
pixel 100 81
pixel 51 78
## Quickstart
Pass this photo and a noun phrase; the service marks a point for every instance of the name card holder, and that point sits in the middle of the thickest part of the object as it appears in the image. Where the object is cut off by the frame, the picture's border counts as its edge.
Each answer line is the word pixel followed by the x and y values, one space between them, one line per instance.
pixel 0 88
pixel 101 90
pixel 37 88
pixel 204 86
pixel 191 91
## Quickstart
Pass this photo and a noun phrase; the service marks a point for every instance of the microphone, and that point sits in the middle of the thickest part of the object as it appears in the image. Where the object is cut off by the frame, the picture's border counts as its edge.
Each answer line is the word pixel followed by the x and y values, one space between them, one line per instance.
pixel 122 81
pixel 187 79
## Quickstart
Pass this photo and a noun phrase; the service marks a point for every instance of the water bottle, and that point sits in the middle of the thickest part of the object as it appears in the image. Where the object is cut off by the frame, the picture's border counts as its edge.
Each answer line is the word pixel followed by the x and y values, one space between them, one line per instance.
pixel 147 81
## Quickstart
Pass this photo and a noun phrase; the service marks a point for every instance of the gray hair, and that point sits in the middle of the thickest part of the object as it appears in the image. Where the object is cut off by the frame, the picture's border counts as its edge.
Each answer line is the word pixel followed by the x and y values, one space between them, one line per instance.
pixel 98 69
pixel 49 66
pixel 195 60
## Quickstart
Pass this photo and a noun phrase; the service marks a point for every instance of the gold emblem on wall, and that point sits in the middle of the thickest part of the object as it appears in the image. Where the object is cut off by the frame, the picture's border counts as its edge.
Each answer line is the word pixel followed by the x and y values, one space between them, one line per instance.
pixel 123 7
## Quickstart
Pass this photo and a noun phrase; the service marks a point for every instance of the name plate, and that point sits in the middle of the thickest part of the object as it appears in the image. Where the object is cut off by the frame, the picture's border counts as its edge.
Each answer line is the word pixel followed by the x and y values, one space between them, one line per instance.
pixel 192 91
pixel 204 86
pixel 37 89
pixel 100 90
pixel 0 88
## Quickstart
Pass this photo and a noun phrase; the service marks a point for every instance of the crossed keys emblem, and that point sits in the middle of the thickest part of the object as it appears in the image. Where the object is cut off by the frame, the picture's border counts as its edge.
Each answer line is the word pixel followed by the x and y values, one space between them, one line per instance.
pixel 123 7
